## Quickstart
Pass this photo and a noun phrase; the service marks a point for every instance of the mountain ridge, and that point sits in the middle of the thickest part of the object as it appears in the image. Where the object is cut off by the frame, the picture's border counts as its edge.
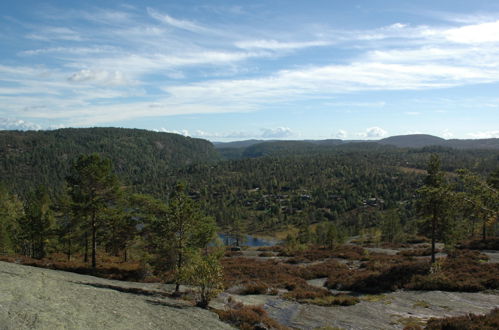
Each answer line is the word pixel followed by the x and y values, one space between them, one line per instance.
pixel 401 141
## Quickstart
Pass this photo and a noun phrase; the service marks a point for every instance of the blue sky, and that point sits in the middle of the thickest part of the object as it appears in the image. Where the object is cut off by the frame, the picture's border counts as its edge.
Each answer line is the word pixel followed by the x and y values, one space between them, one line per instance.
pixel 235 70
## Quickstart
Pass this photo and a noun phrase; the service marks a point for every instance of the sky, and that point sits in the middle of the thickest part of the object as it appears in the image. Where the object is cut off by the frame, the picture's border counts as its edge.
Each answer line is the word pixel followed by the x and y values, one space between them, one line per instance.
pixel 234 70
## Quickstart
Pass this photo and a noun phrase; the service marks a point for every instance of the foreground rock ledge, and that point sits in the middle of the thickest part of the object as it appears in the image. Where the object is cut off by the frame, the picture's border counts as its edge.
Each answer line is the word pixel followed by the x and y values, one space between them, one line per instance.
pixel 36 298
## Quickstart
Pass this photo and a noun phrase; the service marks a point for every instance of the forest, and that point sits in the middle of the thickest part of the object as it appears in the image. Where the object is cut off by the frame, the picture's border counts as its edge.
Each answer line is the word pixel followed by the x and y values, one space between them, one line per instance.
pixel 135 205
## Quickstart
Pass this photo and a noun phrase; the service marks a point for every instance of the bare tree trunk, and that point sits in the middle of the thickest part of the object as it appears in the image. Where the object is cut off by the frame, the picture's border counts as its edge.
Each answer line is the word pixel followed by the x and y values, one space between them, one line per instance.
pixel 433 234
pixel 69 247
pixel 484 229
pixel 85 258
pixel 179 267
pixel 94 241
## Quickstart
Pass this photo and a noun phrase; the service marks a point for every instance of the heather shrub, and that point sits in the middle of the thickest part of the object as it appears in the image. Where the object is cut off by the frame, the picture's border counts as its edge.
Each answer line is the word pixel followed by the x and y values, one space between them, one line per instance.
pixel 421 252
pixel 377 278
pixel 466 322
pixel 248 317
pixel 255 288
pixel 321 297
pixel 320 253
pixel 491 243
pixel 462 270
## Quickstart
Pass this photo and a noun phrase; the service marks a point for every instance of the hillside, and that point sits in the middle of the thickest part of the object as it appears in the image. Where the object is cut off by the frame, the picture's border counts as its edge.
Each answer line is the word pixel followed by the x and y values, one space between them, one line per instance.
pixel 36 298
pixel 413 141
pixel 140 157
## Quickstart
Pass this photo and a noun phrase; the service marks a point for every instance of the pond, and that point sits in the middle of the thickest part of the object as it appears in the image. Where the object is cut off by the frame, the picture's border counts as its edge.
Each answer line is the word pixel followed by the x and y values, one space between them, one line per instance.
pixel 250 240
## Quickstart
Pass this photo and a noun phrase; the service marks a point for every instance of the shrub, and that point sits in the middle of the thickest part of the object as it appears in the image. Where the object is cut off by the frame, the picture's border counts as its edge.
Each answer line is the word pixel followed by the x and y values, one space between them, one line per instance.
pixel 275 248
pixel 321 297
pixel 320 253
pixel 332 300
pixel 129 271
pixel 255 288
pixel 248 318
pixel 469 322
pixel 377 278
pixel 491 243
pixel 422 252
pixel 462 270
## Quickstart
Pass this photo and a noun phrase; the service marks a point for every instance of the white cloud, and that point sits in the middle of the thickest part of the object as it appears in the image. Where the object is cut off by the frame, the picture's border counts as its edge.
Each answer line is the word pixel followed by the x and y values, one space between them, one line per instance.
pixel 474 34
pixel 484 135
pixel 181 24
pixel 70 50
pixel 276 133
pixel 379 104
pixel 306 83
pixel 183 132
pixel 225 135
pixel 342 134
pixel 115 78
pixel 413 113
pixel 374 132
pixel 278 45
pixel 447 134
pixel 55 33
pixel 18 124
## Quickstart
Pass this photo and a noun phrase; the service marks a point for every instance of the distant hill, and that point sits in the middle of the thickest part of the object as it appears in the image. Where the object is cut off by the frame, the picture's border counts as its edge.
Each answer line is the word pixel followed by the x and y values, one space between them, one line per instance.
pixel 237 144
pixel 413 141
pixel 258 148
pixel 275 148
pixel 140 157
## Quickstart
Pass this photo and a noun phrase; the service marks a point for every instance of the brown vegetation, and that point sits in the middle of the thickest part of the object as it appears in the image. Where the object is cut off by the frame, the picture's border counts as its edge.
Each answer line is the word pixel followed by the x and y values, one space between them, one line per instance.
pixel 108 267
pixel 350 252
pixel 248 317
pixel 419 252
pixel 265 276
pixel 462 270
pixel 491 243
pixel 321 297
pixel 377 277
pixel 469 322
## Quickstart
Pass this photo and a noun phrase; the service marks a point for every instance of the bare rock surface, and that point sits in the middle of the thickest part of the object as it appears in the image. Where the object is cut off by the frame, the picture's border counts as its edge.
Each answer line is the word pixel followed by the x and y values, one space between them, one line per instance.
pixel 36 298
pixel 386 311
pixel 493 255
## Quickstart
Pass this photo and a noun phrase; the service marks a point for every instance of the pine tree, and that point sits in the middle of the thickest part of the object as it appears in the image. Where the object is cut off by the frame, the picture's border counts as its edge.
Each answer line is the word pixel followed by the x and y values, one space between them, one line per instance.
pixel 434 200
pixel 38 225
pixel 93 187
pixel 11 210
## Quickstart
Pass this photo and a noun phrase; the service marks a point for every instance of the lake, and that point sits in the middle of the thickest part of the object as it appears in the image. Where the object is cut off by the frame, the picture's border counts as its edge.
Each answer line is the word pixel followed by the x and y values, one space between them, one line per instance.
pixel 250 240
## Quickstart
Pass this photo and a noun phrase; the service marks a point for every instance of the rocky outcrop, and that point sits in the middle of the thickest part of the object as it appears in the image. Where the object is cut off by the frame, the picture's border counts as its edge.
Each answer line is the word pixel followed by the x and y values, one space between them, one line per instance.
pixel 36 298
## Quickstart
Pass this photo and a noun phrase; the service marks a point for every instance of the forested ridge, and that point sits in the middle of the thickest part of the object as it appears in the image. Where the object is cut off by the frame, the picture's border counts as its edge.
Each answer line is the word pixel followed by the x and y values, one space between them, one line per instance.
pixel 139 157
